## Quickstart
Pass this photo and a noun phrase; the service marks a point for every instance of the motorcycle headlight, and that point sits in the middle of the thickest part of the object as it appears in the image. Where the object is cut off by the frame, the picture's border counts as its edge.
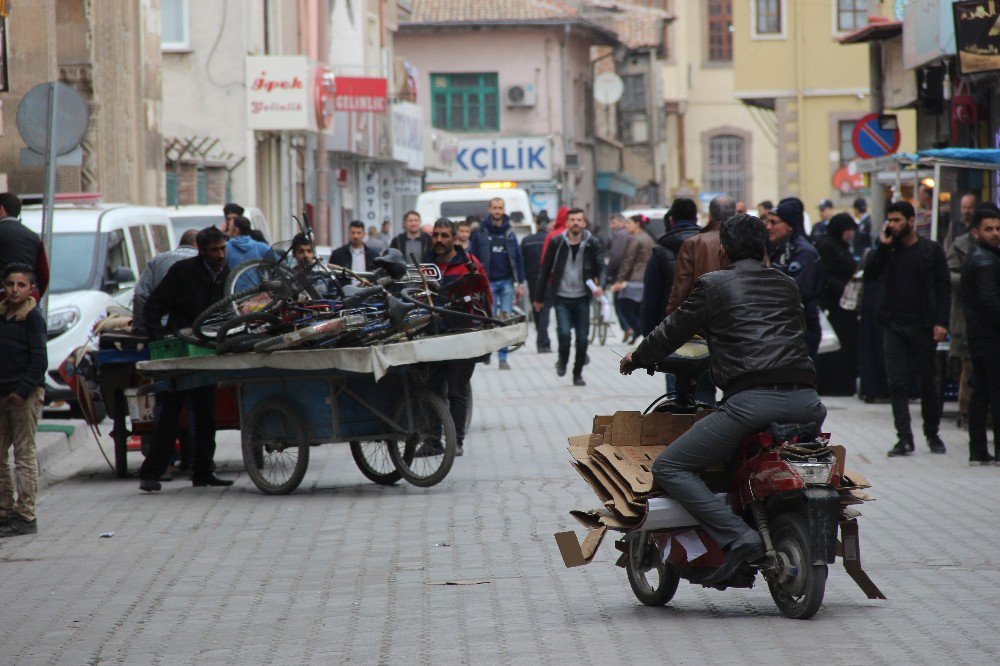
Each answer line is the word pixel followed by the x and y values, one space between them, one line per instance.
pixel 62 320
pixel 813 473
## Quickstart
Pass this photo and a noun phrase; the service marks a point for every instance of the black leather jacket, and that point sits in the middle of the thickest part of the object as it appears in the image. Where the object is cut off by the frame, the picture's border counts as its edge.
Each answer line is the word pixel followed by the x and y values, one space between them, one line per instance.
pixel 753 320
pixel 980 294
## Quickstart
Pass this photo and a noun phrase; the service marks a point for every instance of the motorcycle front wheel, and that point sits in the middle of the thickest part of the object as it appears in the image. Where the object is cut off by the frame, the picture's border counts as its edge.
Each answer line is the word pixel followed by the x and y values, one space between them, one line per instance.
pixel 798 588
pixel 653 581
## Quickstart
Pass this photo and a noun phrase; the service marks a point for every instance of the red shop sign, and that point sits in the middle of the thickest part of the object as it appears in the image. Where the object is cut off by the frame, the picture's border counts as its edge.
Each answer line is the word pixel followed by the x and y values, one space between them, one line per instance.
pixel 364 95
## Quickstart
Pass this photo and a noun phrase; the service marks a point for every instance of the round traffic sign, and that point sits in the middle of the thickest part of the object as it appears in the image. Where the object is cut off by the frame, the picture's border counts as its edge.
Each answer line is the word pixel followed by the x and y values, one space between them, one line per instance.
pixel 72 118
pixel 870 140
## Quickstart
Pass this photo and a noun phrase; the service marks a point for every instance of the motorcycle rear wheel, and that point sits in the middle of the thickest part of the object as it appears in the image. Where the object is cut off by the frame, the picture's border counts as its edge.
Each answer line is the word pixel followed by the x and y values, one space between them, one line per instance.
pixel 653 581
pixel 800 596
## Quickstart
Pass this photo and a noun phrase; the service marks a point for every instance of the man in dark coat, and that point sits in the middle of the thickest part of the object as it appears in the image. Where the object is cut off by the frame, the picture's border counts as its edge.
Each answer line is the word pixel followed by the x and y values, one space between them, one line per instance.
pixel 355 254
pixel 914 304
pixel 980 295
pixel 412 242
pixel 188 288
pixel 681 222
pixel 19 244
pixel 837 371
pixel 531 250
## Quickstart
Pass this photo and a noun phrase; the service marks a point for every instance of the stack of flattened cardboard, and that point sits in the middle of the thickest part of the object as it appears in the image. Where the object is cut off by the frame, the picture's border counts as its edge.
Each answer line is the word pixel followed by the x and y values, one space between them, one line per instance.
pixel 616 459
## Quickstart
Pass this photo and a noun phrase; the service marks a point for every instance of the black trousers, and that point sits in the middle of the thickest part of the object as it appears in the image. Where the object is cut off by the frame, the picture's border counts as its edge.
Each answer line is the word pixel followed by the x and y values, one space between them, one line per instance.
pixel 201 405
pixel 542 317
pixel 985 396
pixel 837 372
pixel 908 349
pixel 450 380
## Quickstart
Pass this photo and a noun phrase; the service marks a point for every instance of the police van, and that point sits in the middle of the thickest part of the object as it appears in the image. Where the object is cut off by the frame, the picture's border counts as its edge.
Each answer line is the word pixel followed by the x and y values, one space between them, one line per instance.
pixel 460 202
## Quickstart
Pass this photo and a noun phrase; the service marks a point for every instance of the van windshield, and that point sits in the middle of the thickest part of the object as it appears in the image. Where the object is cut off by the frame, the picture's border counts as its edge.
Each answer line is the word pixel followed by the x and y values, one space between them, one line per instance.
pixel 463 209
pixel 72 262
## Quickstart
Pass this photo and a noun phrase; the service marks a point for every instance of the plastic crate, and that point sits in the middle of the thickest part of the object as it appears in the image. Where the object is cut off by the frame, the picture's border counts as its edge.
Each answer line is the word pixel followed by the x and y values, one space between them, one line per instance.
pixel 196 350
pixel 167 348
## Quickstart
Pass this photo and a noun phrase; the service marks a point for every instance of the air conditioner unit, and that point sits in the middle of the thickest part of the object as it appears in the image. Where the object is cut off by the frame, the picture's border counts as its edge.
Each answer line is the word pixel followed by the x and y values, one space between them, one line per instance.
pixel 522 95
pixel 638 130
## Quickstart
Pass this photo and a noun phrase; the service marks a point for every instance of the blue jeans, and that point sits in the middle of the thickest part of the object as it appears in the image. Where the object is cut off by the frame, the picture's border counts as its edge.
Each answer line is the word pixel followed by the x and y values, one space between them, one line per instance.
pixel 503 301
pixel 573 314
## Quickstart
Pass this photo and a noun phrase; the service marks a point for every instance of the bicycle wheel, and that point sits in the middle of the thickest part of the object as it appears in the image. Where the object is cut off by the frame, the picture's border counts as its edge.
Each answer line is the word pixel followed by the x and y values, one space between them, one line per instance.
pixel 222 312
pixel 426 450
pixel 375 462
pixel 275 451
pixel 603 332
pixel 252 274
pixel 595 322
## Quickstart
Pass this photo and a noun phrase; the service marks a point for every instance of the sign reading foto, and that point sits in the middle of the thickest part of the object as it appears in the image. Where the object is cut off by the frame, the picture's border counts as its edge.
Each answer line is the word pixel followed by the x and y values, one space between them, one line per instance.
pixel 278 93
pixel 514 159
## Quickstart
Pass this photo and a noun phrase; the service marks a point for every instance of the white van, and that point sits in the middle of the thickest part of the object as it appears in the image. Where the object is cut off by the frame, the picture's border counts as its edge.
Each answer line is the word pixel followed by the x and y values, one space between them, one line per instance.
pixel 458 203
pixel 198 217
pixel 97 252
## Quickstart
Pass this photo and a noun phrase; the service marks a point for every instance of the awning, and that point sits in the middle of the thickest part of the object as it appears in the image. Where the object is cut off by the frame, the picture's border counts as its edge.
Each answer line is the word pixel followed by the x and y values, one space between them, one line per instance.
pixel 878 29
pixel 617 183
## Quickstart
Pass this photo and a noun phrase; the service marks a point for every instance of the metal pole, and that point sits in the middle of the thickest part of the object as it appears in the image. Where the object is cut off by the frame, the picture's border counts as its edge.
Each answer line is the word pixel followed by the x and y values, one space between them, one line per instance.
pixel 48 202
pixel 937 199
pixel 876 77
pixel 567 193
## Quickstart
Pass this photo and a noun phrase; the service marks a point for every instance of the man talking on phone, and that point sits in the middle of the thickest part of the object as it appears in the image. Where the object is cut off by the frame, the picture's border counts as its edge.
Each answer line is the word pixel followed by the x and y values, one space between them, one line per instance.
pixel 914 306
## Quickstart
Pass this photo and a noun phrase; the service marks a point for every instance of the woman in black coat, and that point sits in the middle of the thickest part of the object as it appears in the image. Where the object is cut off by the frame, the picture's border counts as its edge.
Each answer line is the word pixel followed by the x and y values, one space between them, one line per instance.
pixel 837 372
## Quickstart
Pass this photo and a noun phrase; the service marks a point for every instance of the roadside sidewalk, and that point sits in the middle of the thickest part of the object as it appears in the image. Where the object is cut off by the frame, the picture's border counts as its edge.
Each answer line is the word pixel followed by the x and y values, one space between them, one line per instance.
pixel 66 447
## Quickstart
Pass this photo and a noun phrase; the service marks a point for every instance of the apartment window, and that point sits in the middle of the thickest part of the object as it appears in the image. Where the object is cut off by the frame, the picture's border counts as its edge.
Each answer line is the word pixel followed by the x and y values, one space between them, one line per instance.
pixel 851 14
pixel 727 165
pixel 175 25
pixel 845 134
pixel 465 102
pixel 634 95
pixel 720 30
pixel 767 17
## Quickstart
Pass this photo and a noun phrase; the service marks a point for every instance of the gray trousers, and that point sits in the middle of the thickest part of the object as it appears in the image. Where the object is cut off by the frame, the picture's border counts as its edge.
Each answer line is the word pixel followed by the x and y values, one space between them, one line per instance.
pixel 715 439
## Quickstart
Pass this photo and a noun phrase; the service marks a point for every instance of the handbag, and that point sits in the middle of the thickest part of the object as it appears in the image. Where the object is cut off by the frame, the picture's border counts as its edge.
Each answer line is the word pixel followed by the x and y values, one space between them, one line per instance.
pixel 853 291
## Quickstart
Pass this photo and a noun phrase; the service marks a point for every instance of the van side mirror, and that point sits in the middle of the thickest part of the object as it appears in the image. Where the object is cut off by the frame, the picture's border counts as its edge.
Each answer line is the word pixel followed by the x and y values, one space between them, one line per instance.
pixel 122 275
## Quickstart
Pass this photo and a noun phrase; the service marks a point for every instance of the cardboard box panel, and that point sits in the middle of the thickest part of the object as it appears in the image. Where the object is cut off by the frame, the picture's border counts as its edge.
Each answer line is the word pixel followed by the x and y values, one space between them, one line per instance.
pixel 664 429
pixel 574 553
pixel 626 428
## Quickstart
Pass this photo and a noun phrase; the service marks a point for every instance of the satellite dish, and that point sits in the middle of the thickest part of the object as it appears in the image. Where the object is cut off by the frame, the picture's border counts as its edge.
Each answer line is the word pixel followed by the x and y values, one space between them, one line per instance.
pixel 608 88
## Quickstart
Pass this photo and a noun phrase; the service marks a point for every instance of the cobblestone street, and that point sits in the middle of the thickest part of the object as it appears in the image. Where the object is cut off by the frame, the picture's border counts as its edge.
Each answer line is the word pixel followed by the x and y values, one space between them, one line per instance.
pixel 346 571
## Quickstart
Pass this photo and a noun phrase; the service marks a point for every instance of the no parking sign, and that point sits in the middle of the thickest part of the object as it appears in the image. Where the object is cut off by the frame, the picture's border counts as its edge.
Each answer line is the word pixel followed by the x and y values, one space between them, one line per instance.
pixel 875 135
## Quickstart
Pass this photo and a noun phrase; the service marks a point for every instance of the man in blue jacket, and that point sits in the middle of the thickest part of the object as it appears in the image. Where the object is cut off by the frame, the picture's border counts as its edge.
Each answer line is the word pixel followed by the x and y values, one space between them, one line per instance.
pixel 496 248
pixel 792 254
pixel 242 248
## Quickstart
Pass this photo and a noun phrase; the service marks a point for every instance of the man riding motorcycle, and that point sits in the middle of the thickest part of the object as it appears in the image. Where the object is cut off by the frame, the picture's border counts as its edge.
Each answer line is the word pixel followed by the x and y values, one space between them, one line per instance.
pixel 752 318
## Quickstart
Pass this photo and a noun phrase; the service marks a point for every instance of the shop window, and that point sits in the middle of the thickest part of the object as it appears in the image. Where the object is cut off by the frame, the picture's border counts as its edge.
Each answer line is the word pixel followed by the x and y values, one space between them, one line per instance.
pixel 845 135
pixel 720 31
pixel 465 102
pixel 727 166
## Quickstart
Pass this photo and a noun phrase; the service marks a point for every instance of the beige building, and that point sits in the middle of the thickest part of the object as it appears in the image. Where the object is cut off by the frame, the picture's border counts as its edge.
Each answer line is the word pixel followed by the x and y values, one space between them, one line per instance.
pixel 109 52
pixel 718 144
pixel 793 73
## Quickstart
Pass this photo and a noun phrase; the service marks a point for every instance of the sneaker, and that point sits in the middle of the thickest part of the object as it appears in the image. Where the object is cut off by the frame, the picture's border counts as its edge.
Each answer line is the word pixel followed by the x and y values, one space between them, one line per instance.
pixel 936 445
pixel 561 368
pixel 504 365
pixel 459 449
pixel 578 381
pixel 901 449
pixel 149 485
pixel 18 526
pixel 981 460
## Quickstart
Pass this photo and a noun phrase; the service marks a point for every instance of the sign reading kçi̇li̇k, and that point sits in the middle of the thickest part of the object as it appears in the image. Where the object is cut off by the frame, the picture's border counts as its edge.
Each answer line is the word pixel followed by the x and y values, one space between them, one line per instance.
pixel 977 35
pixel 510 158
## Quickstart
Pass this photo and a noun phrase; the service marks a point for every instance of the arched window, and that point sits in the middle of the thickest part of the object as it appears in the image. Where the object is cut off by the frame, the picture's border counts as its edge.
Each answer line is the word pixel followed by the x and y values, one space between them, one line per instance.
pixel 726 165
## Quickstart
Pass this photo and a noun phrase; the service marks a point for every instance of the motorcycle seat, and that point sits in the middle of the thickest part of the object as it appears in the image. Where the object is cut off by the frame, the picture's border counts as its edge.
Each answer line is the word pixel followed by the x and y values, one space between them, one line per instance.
pixel 803 433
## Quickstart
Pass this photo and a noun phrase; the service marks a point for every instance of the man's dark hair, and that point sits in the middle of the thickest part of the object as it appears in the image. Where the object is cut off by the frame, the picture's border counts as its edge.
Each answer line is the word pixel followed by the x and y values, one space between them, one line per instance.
pixel 445 223
pixel 984 213
pixel 257 235
pixel 465 223
pixel 24 269
pixel 409 213
pixel 574 211
pixel 356 224
pixel 231 208
pixel 300 240
pixel 209 236
pixel 904 207
pixel 743 237
pixel 767 205
pixel 681 209
pixel 722 208
pixel 242 225
pixel 11 203
pixel 188 237
pixel 861 205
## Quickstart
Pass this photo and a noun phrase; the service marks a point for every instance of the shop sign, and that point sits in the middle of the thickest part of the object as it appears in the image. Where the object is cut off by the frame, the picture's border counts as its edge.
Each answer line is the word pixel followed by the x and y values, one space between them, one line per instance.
pixel 376 194
pixel 408 135
pixel 278 93
pixel 408 185
pixel 506 159
pixel 977 36
pixel 361 95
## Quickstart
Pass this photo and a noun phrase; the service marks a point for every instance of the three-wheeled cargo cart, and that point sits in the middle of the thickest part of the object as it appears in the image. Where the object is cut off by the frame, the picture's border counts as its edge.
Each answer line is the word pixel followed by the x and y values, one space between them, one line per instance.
pixel 374 398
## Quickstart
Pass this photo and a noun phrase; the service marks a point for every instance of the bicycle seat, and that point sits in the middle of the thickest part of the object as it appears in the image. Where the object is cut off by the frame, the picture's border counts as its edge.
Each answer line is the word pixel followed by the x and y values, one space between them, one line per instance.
pixel 354 295
pixel 392 262
pixel 397 309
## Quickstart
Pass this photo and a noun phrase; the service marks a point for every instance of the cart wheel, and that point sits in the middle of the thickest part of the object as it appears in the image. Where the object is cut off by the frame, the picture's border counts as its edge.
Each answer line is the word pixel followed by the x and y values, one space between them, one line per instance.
pixel 275 452
pixel 425 454
pixel 468 408
pixel 375 462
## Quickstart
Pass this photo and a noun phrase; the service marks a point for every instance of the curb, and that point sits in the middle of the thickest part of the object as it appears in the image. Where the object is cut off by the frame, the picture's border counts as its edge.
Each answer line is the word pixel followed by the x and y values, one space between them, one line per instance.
pixel 67 447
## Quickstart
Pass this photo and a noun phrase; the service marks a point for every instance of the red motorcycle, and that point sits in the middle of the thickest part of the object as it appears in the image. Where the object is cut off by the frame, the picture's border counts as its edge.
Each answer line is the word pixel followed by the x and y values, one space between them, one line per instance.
pixel 784 481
